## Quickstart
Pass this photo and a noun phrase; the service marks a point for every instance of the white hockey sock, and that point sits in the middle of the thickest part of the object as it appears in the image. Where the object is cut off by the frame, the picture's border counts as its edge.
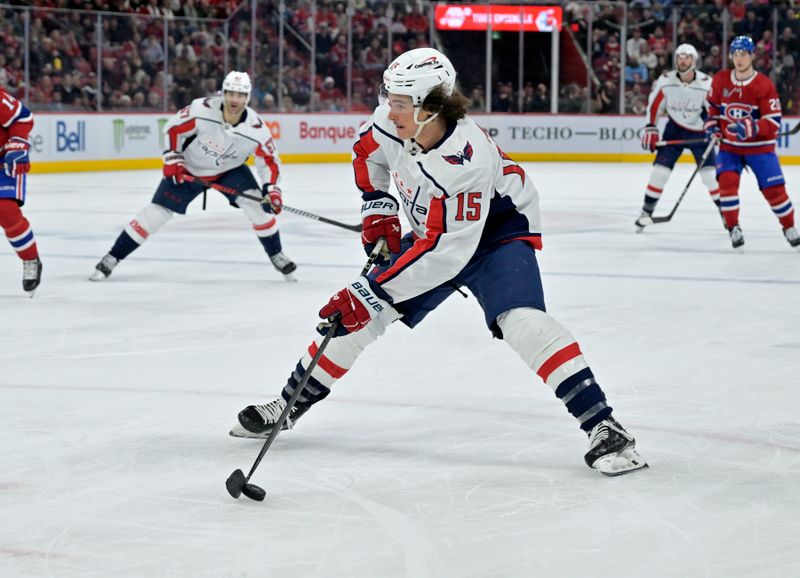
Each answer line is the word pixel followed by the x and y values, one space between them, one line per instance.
pixel 147 222
pixel 709 176
pixel 552 352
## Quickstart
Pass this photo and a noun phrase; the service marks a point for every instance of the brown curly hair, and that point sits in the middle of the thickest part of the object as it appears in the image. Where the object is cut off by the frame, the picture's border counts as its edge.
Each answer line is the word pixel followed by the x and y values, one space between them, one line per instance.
pixel 451 108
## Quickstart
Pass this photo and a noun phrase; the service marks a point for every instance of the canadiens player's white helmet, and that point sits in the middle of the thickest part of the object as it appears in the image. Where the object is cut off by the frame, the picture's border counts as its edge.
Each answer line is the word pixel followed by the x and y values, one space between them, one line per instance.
pixel 417 72
pixel 237 81
pixel 688 50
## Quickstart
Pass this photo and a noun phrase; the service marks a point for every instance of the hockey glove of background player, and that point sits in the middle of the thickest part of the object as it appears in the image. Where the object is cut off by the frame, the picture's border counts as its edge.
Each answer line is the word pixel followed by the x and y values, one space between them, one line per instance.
pixel 379 219
pixel 272 198
pixel 355 306
pixel 650 138
pixel 712 128
pixel 174 167
pixel 745 129
pixel 16 153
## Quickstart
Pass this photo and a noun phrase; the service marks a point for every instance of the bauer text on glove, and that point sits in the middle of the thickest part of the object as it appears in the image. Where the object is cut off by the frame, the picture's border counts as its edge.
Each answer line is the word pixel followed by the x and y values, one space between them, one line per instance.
pixel 379 220
pixel 354 306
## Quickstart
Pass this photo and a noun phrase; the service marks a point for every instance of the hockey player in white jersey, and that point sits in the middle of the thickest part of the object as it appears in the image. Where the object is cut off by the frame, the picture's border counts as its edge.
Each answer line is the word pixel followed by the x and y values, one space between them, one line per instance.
pixel 212 138
pixel 681 95
pixel 474 220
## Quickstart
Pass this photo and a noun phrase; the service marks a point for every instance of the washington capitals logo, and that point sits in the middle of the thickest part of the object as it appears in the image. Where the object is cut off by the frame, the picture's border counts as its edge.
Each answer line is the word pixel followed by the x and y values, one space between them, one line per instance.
pixel 460 157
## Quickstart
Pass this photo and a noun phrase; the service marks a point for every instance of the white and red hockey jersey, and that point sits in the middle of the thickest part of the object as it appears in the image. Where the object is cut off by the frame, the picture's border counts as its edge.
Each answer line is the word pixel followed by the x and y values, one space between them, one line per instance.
pixel 682 102
pixel 460 196
pixel 211 146
pixel 15 119
pixel 732 100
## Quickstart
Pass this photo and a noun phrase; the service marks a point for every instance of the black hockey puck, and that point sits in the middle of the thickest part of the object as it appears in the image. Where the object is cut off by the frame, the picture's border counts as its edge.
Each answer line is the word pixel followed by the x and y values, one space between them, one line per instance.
pixel 254 492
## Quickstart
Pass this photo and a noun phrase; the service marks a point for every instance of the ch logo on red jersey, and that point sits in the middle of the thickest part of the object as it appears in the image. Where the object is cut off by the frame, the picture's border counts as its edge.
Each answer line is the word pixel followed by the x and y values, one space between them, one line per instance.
pixel 738 111
pixel 460 157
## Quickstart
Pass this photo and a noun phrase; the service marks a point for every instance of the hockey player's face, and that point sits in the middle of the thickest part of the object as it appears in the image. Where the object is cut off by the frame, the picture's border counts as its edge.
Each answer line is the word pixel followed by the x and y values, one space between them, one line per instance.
pixel 234 102
pixel 401 113
pixel 742 60
pixel 684 62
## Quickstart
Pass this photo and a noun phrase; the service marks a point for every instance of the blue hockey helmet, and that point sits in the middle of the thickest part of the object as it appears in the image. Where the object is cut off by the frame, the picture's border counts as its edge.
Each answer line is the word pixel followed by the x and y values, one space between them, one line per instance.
pixel 742 43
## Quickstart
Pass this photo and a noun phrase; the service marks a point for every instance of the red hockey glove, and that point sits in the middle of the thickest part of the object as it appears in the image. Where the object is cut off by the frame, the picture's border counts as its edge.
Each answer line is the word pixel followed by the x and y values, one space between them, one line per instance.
pixel 650 138
pixel 16 153
pixel 745 129
pixel 272 198
pixel 379 219
pixel 174 167
pixel 355 306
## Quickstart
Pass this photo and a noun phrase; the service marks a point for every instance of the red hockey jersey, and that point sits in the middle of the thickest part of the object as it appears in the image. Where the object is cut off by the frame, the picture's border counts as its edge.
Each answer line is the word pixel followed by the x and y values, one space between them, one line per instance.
pixel 732 100
pixel 15 119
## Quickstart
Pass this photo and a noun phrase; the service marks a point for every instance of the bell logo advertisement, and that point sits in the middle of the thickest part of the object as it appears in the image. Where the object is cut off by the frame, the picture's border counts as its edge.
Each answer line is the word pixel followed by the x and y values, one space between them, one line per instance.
pixel 502 18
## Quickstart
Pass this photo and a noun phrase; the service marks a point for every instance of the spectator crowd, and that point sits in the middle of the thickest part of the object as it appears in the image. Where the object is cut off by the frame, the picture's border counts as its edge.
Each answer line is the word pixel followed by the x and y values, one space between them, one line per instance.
pixel 161 54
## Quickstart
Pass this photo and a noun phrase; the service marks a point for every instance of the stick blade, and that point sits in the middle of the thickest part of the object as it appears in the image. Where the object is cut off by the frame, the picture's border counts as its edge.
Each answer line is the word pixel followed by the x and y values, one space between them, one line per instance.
pixel 236 483
pixel 664 219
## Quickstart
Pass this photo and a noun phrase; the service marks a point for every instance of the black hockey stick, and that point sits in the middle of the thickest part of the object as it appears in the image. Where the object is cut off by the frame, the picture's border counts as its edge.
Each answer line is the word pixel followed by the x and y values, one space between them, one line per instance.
pixel 701 162
pixel 691 141
pixel 234 192
pixel 237 483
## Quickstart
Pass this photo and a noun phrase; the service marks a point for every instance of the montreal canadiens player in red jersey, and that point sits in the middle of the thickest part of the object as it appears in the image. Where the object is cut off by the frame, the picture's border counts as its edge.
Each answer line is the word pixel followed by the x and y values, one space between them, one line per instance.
pixel 744 109
pixel 212 138
pixel 16 122
pixel 475 222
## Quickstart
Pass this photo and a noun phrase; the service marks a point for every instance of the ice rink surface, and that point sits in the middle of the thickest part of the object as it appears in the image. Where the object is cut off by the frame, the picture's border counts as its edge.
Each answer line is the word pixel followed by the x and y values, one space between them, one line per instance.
pixel 440 454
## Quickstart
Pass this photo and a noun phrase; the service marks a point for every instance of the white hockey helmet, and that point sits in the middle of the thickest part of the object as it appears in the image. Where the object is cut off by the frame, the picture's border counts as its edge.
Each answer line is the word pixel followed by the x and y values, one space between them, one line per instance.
pixel 689 50
pixel 417 72
pixel 237 81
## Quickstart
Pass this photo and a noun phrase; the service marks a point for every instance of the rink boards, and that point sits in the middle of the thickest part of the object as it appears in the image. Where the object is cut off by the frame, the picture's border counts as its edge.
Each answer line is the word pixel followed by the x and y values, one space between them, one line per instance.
pixel 89 142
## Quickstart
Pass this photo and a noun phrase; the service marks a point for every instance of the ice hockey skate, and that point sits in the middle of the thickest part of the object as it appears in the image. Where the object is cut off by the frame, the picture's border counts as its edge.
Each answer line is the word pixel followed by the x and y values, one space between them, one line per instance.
pixel 737 237
pixel 612 450
pixel 257 421
pixel 285 265
pixel 31 275
pixel 792 236
pixel 644 219
pixel 103 269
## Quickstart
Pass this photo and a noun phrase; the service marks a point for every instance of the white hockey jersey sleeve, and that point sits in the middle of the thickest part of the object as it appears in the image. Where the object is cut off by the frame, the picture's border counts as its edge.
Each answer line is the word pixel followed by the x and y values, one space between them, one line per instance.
pixel 656 101
pixel 181 127
pixel 370 165
pixel 266 159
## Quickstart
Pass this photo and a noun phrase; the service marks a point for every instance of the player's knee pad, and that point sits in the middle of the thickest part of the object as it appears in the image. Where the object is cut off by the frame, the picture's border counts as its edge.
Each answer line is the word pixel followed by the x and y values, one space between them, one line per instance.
pixel 775 195
pixel 728 182
pixel 343 351
pixel 659 176
pixel 147 222
pixel 10 213
pixel 709 177
pixel 544 345
pixel 264 223
pixel 533 334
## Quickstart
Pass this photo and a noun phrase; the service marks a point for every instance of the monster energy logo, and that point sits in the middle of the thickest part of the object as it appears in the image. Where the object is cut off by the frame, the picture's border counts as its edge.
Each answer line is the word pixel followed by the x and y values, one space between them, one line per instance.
pixel 119 133
pixel 161 123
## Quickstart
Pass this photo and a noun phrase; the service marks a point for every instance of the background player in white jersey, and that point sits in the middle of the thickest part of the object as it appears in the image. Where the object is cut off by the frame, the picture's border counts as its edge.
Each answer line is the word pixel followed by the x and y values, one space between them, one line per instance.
pixel 212 138
pixel 475 222
pixel 16 122
pixel 681 94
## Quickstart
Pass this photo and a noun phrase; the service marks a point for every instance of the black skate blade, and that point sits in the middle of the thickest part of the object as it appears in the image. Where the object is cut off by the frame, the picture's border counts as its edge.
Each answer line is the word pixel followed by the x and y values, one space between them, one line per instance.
pixel 254 492
pixel 236 483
